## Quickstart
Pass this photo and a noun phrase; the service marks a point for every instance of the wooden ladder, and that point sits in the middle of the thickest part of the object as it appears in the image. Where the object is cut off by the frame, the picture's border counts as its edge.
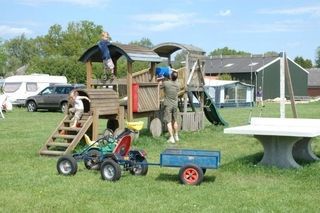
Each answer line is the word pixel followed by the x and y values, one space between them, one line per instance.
pixel 64 139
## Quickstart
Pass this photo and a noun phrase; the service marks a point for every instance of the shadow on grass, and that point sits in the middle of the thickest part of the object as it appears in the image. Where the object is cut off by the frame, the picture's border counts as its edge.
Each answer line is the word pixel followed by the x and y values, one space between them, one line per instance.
pixel 246 161
pixel 175 177
pixel 252 161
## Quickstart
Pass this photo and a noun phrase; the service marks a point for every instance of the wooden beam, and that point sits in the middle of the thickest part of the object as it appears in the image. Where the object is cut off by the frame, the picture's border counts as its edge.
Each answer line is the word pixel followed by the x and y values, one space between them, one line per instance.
pixel 290 88
pixel 129 92
pixel 152 72
pixel 95 125
pixel 89 74
pixel 120 117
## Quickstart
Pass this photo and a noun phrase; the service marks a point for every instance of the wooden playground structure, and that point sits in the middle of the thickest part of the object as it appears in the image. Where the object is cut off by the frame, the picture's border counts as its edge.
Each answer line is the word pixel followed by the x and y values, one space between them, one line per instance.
pixel 136 96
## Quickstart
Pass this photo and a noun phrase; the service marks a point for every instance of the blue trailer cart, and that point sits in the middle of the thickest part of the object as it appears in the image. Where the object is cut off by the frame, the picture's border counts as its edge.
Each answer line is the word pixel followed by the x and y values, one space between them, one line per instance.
pixel 192 163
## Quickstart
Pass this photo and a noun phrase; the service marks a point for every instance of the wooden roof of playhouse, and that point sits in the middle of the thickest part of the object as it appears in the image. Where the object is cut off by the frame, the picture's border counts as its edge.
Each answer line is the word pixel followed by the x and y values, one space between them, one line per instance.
pixel 131 52
pixel 167 48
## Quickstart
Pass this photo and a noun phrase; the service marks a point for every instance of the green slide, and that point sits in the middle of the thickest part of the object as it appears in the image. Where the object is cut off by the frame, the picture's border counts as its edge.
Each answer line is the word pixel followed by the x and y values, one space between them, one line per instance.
pixel 211 111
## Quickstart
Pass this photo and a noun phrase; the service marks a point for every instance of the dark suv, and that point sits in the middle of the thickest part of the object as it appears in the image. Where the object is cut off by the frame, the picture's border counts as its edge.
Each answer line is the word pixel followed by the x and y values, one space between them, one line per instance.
pixel 51 98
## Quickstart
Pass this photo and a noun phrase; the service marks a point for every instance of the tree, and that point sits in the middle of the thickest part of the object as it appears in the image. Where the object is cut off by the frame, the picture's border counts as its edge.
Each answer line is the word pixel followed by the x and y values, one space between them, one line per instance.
pixel 144 42
pixel 3 59
pixel 179 59
pixel 318 57
pixel 305 63
pixel 19 52
pixel 225 76
pixel 227 51
pixel 271 53
pixel 60 50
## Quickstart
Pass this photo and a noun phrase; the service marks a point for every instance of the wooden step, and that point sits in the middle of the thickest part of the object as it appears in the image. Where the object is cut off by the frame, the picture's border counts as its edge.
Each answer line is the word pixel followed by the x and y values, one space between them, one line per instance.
pixel 66 128
pixel 51 152
pixel 58 144
pixel 70 121
pixel 64 136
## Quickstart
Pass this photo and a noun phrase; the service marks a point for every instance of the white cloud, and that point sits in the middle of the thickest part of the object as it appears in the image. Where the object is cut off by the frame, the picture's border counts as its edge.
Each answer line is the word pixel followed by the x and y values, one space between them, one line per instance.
pixel 278 26
pixel 166 21
pixel 7 31
pixel 89 3
pixel 170 17
pixel 312 10
pixel 224 12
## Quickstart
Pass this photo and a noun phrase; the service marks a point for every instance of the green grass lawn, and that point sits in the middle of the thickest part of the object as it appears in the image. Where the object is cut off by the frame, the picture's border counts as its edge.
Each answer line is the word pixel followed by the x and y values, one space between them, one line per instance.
pixel 30 183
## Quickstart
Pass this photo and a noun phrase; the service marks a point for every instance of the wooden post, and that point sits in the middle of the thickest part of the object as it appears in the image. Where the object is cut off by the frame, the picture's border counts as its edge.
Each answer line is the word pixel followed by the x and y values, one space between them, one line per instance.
pixel 282 88
pixel 89 74
pixel 152 72
pixel 95 125
pixel 290 89
pixel 129 92
pixel 120 117
pixel 185 96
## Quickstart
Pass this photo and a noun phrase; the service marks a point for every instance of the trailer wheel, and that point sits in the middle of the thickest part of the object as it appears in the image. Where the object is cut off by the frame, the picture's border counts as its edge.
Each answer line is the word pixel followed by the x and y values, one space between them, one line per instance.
pixel 110 170
pixel 140 168
pixel 191 174
pixel 67 165
pixel 92 159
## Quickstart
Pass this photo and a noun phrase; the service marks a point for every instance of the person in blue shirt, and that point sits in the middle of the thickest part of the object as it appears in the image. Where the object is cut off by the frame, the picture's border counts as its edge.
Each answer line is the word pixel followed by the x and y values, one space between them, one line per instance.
pixel 259 97
pixel 106 57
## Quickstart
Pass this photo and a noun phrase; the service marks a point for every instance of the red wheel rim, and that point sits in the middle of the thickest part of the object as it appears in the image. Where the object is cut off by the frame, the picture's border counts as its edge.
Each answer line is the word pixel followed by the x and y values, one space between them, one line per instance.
pixel 190 175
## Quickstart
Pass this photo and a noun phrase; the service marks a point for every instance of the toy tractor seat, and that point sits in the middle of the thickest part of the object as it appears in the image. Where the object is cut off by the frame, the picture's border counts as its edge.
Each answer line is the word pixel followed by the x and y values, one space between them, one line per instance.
pixel 123 146
pixel 89 142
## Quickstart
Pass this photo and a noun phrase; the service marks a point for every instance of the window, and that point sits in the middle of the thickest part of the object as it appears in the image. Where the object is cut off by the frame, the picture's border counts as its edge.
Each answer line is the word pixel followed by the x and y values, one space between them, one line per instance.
pixel 47 91
pixel 68 90
pixel 31 87
pixel 11 87
pixel 60 90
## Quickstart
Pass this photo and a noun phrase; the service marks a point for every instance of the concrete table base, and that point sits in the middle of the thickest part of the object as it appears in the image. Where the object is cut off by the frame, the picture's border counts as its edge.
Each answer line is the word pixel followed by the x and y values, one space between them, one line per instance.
pixel 281 151
pixel 278 151
pixel 302 150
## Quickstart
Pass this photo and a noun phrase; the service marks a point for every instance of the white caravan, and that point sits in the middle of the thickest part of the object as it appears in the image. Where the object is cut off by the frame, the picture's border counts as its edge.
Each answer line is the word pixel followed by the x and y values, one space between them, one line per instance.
pixel 19 87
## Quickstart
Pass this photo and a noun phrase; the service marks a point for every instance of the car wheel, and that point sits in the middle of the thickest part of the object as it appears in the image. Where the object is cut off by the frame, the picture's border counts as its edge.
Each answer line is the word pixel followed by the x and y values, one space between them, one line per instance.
pixel 63 106
pixel 31 106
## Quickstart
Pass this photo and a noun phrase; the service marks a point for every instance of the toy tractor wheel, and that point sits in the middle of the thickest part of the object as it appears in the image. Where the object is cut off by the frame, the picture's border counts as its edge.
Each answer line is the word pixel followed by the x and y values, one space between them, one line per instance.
pixel 110 170
pixel 92 159
pixel 67 165
pixel 191 174
pixel 140 167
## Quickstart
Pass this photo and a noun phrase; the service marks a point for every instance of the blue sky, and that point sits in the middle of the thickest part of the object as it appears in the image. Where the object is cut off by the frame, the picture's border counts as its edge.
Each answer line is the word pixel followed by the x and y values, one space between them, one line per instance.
pixel 255 26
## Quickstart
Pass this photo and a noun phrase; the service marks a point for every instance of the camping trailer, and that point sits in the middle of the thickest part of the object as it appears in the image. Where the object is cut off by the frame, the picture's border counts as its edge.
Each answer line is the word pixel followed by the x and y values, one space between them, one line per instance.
pixel 19 87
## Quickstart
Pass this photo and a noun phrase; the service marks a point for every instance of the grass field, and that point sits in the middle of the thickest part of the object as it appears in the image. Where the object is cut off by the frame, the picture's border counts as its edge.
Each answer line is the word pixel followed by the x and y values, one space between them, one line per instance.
pixel 30 183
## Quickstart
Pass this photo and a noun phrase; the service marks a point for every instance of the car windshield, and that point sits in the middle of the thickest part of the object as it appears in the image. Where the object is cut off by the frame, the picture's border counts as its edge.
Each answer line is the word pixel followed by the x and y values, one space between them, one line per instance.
pixel 47 91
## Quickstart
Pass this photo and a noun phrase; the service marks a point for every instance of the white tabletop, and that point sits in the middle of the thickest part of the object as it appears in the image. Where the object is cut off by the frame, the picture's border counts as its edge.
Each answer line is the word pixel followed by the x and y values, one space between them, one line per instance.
pixel 276 130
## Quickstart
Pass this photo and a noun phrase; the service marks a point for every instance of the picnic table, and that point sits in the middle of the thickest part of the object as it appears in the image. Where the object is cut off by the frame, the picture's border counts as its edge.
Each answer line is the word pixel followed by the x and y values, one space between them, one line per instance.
pixel 284 140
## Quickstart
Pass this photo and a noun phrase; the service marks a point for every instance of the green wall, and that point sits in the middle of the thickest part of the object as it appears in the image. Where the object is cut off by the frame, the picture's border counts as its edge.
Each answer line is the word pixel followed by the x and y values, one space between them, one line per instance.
pixel 269 79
